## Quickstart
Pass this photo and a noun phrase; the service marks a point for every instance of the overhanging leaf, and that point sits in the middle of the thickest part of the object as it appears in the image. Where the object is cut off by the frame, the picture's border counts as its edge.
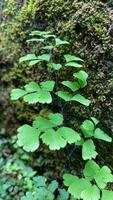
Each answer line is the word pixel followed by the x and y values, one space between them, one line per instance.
pixel 103 176
pixel 53 120
pixel 88 150
pixel 82 77
pixel 95 120
pixel 60 42
pixel 79 98
pixel 31 98
pixel 54 66
pixel 47 85
pixel 69 134
pixel 33 62
pixel 48 47
pixel 91 193
pixel 74 86
pixel 58 139
pixel 40 33
pixel 42 123
pixel 44 57
pixel 91 169
pixel 28 57
pixel 41 97
pixel 28 138
pixel 17 93
pixel 32 87
pixel 100 134
pixel 107 195
pixel 44 97
pixel 64 95
pixel 35 40
pixel 75 185
pixel 70 58
pixel 73 64
pixel 46 36
pixel 56 118
pixel 53 139
pixel 87 128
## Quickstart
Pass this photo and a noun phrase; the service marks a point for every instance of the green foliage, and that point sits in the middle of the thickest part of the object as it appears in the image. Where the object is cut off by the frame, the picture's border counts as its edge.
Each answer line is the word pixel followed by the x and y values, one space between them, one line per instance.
pixel 50 128
pixel 45 128
pixel 90 131
pixel 34 92
pixel 82 188
pixel 19 181
pixel 93 44
pixel 88 150
pixel 28 137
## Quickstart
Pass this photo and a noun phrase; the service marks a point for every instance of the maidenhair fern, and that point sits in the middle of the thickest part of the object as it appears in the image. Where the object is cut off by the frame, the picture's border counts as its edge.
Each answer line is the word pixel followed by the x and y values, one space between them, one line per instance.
pixel 50 129
pixel 93 183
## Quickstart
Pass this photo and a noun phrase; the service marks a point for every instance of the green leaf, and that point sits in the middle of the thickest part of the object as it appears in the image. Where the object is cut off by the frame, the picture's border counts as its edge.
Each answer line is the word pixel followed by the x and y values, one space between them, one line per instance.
pixel 82 78
pixel 76 185
pixel 90 170
pixel 88 150
pixel 60 42
pixel 54 66
pixel 100 134
pixel 39 181
pixel 58 139
pixel 107 195
pixel 48 85
pixel 69 134
pixel 42 123
pixel 87 128
pixel 28 138
pixel 41 97
pixel 33 62
pixel 44 97
pixel 35 40
pixel 69 179
pixel 49 36
pixel 91 193
pixel 40 33
pixel 103 176
pixel 53 139
pixel 73 64
pixel 31 98
pixel 63 195
pixel 32 87
pixel 38 93
pixel 95 121
pixel 53 186
pixel 48 47
pixel 53 120
pixel 74 86
pixel 56 118
pixel 79 98
pixel 70 58
pixel 44 57
pixel 17 93
pixel 64 95
pixel 28 57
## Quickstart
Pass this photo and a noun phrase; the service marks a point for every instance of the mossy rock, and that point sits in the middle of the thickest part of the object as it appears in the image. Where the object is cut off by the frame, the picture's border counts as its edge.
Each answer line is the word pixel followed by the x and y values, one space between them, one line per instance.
pixel 86 25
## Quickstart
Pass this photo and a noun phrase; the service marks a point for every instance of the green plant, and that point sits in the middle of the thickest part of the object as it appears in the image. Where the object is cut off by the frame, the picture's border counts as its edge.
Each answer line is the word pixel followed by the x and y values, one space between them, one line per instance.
pixel 50 128
pixel 92 184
